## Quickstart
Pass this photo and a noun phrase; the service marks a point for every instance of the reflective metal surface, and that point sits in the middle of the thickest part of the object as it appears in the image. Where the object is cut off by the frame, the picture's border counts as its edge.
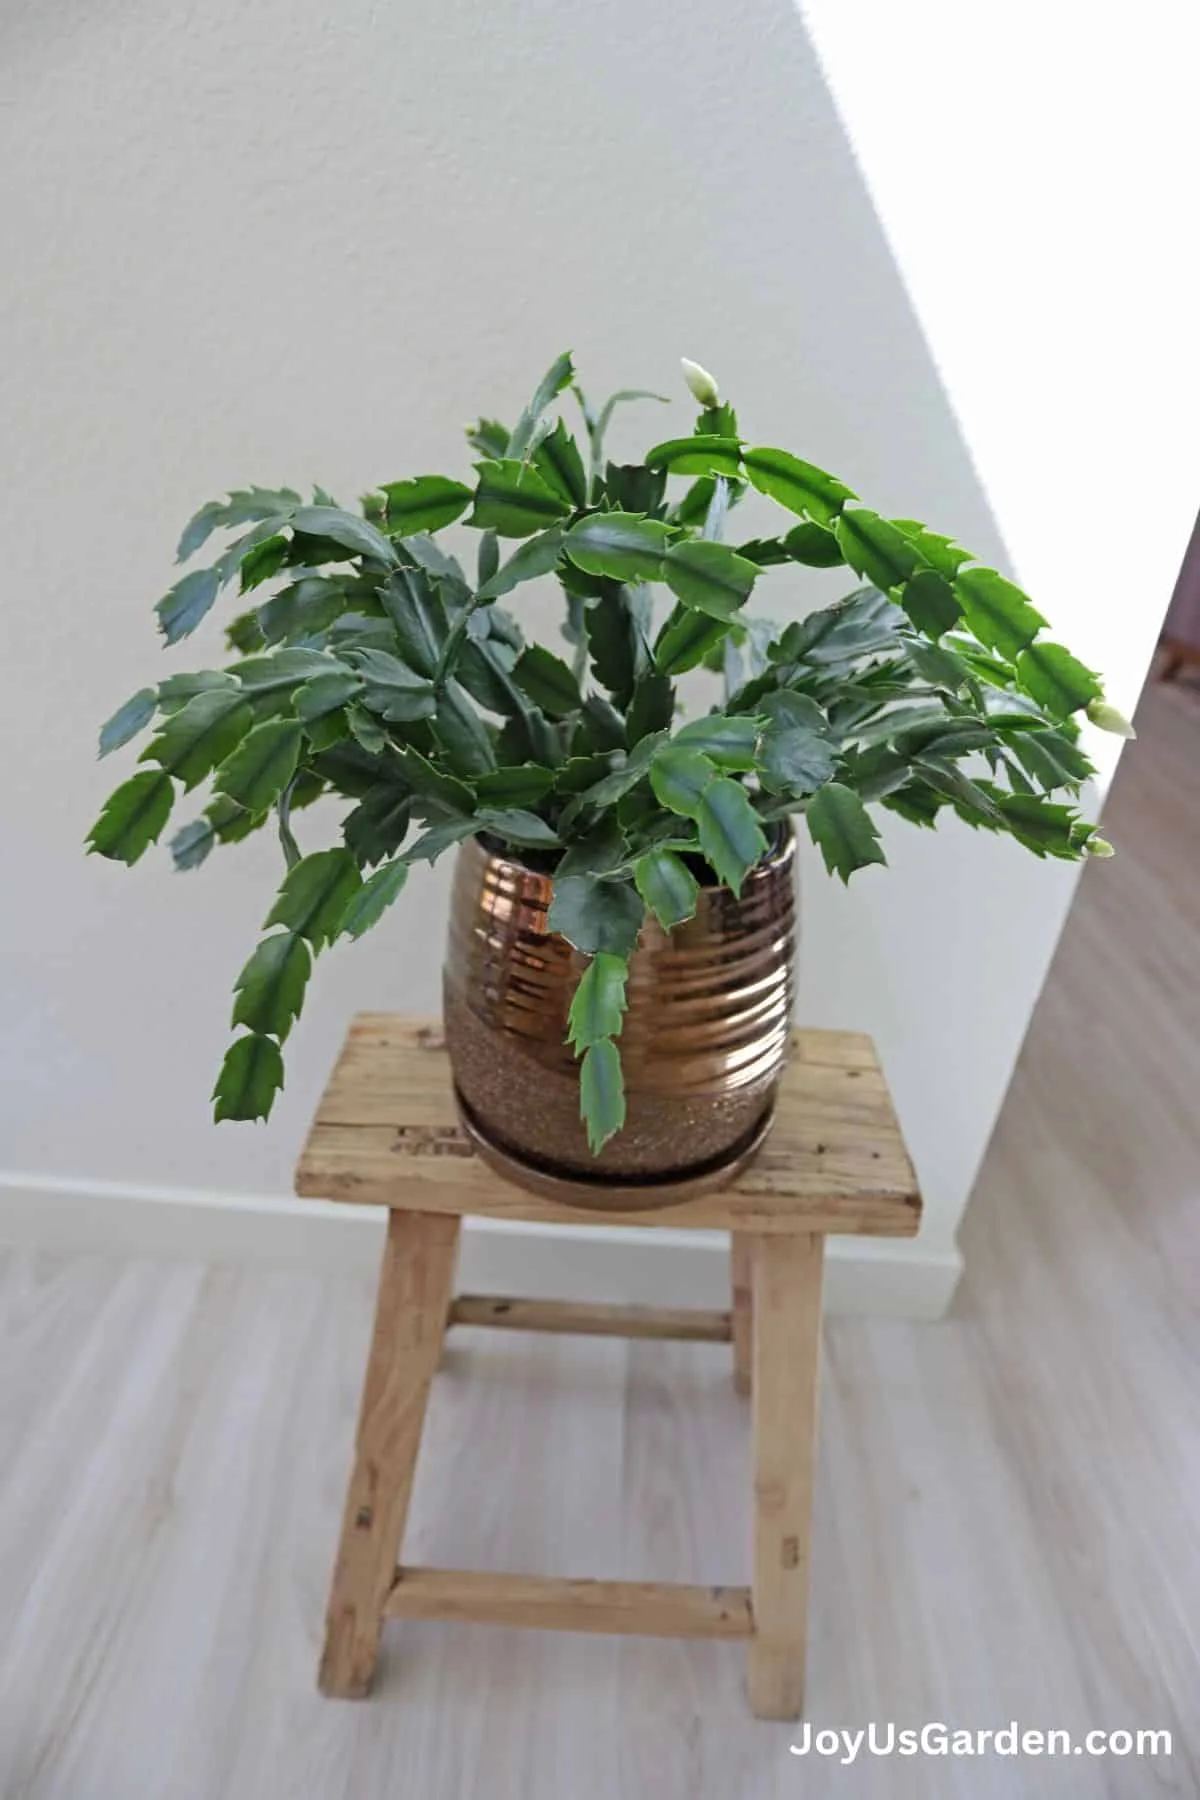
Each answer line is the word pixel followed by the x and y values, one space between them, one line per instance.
pixel 704 1038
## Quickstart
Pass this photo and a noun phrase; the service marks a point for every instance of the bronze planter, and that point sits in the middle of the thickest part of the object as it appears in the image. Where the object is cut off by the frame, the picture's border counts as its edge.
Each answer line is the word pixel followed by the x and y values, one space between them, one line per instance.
pixel 704 1039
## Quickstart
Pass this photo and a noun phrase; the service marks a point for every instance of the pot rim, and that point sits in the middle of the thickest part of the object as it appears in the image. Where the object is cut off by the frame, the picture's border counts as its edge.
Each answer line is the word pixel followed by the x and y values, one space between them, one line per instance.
pixel 777 854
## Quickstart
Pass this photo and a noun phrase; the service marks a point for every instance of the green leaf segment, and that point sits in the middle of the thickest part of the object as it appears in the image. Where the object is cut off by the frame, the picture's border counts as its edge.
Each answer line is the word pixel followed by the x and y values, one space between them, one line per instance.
pixel 371 671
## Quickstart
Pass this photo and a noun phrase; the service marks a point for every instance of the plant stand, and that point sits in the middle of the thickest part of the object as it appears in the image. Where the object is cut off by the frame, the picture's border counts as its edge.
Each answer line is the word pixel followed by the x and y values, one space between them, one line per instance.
pixel 387 1133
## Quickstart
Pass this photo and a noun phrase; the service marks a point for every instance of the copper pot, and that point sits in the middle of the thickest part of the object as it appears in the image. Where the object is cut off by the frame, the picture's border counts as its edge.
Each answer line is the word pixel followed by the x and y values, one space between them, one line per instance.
pixel 704 1039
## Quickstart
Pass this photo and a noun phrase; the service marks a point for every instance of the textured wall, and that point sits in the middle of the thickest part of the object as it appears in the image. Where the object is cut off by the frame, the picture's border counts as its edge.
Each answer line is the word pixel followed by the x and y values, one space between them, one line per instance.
pixel 295 242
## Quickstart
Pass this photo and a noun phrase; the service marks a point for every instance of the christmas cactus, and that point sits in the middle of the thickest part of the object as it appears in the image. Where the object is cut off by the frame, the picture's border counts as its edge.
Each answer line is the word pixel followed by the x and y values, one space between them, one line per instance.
pixel 375 669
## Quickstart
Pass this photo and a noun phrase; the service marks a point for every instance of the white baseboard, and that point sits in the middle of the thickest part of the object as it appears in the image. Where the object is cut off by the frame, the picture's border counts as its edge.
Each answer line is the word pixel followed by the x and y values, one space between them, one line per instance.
pixel 871 1276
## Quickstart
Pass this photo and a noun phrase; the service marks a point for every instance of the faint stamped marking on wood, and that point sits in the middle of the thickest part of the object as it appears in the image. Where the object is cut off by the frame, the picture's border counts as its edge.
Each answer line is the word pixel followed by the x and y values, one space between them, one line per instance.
pixel 430 1140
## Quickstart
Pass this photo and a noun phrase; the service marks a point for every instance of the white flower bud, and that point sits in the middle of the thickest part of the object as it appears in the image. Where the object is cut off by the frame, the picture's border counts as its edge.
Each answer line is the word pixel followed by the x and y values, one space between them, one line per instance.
pixel 704 388
pixel 1109 719
pixel 1098 846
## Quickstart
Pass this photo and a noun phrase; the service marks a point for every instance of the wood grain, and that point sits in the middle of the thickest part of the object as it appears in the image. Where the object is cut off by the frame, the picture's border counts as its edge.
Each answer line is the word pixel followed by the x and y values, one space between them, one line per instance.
pixel 787 1337
pixel 415 1283
pixel 501 1313
pixel 386 1133
pixel 549 1603
pixel 741 1286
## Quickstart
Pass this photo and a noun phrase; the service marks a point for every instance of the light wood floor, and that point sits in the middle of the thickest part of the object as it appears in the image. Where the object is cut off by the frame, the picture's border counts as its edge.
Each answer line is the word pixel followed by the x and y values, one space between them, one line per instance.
pixel 1006 1512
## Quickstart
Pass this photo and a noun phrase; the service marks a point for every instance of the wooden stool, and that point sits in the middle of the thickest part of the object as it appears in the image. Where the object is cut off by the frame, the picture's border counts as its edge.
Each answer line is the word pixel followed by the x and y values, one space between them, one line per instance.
pixel 386 1132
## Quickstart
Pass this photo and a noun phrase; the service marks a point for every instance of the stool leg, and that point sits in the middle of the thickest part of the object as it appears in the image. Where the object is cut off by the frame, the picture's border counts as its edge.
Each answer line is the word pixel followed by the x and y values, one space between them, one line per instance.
pixel 787 1337
pixel 415 1287
pixel 742 1307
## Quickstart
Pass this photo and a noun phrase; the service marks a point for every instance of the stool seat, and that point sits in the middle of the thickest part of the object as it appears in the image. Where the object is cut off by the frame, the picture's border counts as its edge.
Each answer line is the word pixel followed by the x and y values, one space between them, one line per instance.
pixel 386 1133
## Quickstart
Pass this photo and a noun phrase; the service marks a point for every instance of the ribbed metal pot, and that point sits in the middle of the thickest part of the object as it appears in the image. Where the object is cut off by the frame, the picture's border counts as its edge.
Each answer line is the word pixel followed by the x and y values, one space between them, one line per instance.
pixel 703 1044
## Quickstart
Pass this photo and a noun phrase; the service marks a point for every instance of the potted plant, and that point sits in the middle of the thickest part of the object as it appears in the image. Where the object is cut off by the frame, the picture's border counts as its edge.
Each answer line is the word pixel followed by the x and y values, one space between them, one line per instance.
pixel 624 889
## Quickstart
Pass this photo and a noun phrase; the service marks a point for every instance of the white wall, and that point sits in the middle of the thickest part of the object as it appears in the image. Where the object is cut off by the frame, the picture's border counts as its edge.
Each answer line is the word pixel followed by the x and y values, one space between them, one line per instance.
pixel 1051 261
pixel 297 241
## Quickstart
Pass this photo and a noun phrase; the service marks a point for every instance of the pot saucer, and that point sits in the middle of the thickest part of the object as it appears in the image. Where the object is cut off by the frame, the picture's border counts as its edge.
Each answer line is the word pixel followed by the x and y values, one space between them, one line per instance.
pixel 603 1193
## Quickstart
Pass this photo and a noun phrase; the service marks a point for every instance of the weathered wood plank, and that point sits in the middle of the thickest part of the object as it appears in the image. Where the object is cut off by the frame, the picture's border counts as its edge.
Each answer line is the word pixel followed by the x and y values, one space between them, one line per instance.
pixel 502 1313
pixel 548 1603
pixel 787 1339
pixel 741 1282
pixel 387 1133
pixel 415 1283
